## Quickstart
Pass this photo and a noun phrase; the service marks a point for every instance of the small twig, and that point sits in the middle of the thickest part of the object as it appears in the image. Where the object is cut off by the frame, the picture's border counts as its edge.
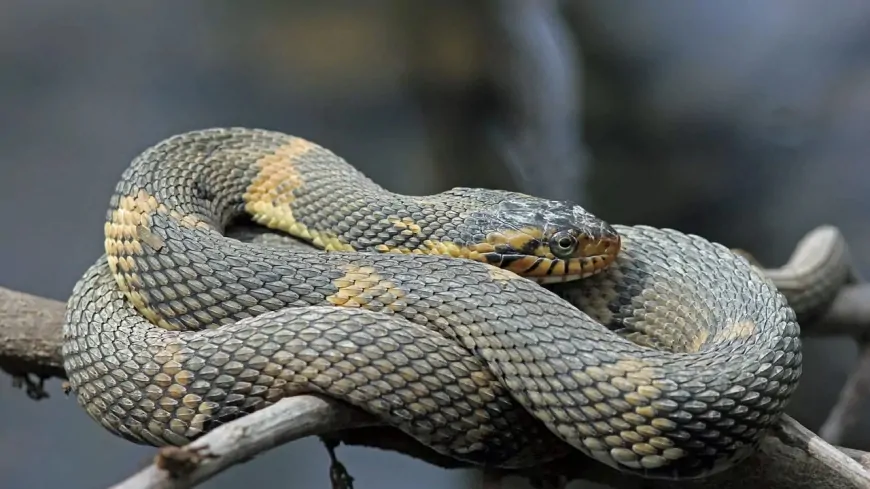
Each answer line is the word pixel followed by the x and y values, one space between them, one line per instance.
pixel 33 385
pixel 338 474
pixel 243 439
pixel 793 433
pixel 30 329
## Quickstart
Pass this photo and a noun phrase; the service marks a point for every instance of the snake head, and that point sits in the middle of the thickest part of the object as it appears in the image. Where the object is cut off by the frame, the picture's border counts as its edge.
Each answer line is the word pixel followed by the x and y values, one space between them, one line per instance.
pixel 545 241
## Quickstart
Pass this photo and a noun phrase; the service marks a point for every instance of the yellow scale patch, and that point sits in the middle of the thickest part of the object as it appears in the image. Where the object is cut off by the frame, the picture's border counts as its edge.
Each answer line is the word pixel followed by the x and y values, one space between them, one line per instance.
pixel 362 285
pixel 126 232
pixel 698 341
pixel 501 274
pixel 430 247
pixel 269 197
pixel 739 330
pixel 640 429
pixel 408 226
pixel 518 238
pixel 190 412
pixel 476 251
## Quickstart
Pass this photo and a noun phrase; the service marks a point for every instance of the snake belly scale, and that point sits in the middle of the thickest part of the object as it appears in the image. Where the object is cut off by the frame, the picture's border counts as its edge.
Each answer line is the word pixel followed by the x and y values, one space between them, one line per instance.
pixel 654 352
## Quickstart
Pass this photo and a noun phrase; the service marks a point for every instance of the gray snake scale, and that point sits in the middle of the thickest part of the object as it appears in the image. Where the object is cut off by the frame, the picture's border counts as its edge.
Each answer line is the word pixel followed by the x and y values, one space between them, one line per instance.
pixel 654 352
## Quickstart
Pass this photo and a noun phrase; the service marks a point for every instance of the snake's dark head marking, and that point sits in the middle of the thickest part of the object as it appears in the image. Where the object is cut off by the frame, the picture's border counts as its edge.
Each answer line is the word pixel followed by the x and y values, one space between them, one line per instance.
pixel 546 241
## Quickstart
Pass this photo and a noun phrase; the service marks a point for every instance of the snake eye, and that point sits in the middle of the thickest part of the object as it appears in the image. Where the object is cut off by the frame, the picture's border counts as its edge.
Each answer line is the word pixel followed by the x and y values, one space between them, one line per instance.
pixel 563 244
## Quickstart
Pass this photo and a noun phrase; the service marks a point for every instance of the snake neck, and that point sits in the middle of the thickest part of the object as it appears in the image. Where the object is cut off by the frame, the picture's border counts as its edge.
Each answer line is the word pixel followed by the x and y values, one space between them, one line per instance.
pixel 209 178
pixel 206 179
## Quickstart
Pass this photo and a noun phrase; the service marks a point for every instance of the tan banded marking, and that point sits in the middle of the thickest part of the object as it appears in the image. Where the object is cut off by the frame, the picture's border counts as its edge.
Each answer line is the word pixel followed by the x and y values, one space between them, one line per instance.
pixel 638 436
pixel 407 226
pixel 269 197
pixel 433 247
pixel 500 274
pixel 699 340
pixel 127 231
pixel 739 330
pixel 362 286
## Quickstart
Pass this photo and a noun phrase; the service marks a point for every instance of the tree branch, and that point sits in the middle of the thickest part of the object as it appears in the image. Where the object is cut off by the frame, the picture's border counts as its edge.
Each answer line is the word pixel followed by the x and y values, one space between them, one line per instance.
pixel 849 314
pixel 30 334
pixel 237 442
pixel 789 457
pixel 846 412
pixel 792 457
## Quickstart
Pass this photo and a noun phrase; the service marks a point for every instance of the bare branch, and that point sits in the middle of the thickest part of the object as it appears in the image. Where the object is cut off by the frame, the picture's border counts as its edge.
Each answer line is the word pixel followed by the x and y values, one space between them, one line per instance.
pixel 30 334
pixel 816 271
pixel 849 314
pixel 859 456
pixel 241 440
pixel 792 457
pixel 846 412
pixel 822 453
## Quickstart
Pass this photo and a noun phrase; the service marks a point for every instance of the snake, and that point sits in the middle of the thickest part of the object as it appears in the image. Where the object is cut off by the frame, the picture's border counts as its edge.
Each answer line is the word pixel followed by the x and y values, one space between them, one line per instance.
pixel 492 326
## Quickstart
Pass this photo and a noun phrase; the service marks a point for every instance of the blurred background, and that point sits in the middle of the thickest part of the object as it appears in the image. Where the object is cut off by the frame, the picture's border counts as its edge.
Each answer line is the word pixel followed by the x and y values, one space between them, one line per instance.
pixel 745 122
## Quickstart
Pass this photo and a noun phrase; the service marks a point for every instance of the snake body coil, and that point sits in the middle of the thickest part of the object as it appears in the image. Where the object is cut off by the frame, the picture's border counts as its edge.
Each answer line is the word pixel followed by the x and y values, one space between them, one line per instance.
pixel 676 359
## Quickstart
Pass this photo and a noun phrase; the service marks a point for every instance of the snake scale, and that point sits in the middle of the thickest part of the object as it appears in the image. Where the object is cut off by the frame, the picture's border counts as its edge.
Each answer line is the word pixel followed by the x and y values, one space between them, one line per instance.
pixel 492 326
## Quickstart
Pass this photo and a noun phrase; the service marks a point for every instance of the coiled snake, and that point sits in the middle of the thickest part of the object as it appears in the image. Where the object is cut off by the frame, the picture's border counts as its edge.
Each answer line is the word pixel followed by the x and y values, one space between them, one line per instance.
pixel 654 352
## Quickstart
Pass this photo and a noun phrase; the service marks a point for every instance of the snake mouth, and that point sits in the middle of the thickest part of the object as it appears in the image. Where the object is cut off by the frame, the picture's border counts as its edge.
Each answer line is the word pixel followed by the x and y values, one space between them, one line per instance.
pixel 594 256
pixel 591 257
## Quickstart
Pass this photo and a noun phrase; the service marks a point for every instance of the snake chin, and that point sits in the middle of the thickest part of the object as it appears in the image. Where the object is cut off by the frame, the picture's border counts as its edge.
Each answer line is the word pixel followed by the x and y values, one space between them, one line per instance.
pixel 587 267
pixel 558 280
pixel 549 269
